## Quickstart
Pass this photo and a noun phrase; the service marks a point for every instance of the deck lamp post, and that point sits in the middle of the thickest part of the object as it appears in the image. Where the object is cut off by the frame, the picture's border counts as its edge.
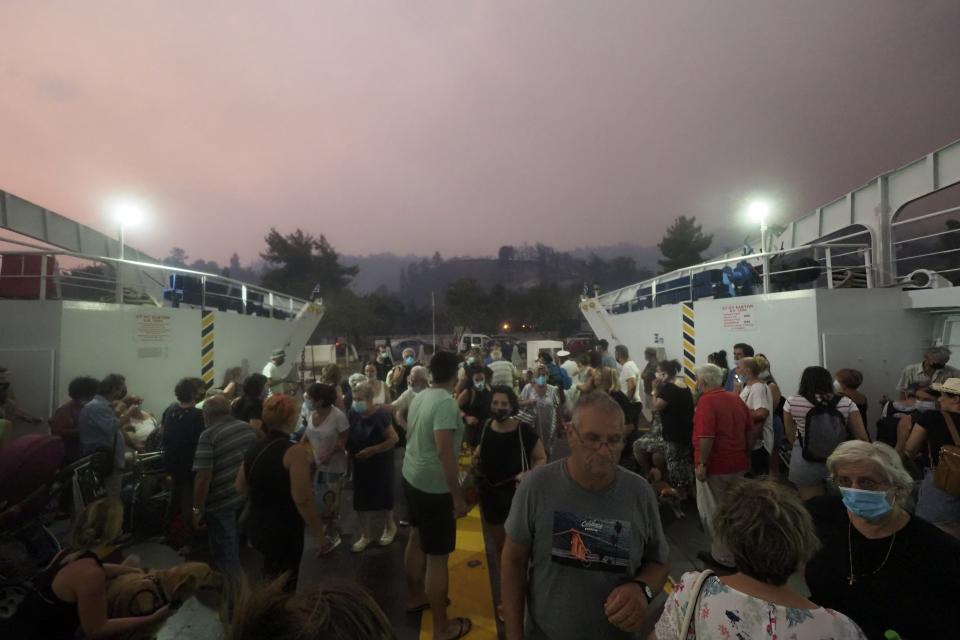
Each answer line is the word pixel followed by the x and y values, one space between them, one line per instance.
pixel 758 210
pixel 127 213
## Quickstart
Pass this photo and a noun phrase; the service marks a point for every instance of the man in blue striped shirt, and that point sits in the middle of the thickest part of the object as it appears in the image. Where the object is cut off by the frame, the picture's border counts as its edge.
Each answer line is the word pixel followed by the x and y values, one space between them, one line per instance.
pixel 219 454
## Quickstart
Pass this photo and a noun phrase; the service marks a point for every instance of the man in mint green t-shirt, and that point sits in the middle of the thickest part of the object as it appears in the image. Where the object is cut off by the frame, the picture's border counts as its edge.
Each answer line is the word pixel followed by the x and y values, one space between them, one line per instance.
pixel 434 498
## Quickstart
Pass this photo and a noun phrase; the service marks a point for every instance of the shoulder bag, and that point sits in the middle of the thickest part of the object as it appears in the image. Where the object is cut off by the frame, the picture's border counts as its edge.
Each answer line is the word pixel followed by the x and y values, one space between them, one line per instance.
pixel 946 473
pixel 692 608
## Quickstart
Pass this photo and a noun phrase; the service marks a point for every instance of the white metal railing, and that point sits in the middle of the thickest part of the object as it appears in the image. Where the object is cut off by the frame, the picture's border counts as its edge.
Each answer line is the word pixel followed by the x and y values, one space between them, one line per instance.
pixel 630 295
pixel 104 279
pixel 943 261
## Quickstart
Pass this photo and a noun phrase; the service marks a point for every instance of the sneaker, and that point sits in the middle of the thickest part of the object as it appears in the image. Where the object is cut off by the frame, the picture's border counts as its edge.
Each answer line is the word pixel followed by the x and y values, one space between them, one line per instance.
pixel 334 543
pixel 361 544
pixel 388 537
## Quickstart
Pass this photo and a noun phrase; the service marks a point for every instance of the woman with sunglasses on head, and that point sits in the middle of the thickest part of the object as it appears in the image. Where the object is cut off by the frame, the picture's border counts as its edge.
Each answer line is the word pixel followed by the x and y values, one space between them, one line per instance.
pixel 881 566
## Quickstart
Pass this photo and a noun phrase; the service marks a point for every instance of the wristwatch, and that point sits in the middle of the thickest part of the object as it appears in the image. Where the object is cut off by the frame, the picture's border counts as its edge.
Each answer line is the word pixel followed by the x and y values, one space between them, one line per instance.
pixel 647 591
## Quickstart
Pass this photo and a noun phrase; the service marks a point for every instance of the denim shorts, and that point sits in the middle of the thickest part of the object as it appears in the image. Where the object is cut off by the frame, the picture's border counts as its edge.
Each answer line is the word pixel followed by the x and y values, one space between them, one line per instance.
pixel 937 506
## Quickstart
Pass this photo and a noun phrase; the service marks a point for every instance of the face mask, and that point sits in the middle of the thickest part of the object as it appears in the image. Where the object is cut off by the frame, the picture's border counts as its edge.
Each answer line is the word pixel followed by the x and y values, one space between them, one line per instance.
pixel 478 385
pixel 502 415
pixel 661 375
pixel 541 380
pixel 471 360
pixel 360 406
pixel 837 387
pixel 765 375
pixel 408 361
pixel 869 505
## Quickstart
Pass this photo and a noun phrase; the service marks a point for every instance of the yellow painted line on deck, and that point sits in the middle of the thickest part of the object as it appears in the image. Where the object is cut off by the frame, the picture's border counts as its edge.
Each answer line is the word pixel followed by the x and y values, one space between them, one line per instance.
pixel 469 590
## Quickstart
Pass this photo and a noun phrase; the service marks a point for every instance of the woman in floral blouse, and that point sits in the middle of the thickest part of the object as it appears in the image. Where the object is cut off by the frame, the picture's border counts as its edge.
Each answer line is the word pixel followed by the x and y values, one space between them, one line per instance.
pixel 771 535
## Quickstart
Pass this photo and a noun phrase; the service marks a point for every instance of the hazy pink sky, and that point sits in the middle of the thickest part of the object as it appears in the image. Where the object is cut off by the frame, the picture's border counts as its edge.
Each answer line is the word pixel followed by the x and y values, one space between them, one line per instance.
pixel 460 126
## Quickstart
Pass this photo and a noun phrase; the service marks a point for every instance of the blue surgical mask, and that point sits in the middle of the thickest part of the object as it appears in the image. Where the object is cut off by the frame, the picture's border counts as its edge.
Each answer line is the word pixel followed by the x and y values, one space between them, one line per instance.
pixel 408 361
pixel 869 505
pixel 360 406
pixel 541 380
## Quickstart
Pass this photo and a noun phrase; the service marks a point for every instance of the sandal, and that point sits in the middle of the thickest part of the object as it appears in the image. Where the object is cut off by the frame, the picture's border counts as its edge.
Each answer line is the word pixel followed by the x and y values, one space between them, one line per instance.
pixel 466 626
pixel 422 607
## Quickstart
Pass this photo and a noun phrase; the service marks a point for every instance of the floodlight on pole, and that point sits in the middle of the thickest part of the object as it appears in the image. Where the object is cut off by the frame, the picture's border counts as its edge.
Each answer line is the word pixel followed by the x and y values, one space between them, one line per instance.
pixel 758 211
pixel 127 213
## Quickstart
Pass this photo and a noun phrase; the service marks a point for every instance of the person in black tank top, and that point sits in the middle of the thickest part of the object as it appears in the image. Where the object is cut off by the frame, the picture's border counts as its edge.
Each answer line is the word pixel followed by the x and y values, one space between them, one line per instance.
pixel 506 451
pixel 76 576
pixel 276 477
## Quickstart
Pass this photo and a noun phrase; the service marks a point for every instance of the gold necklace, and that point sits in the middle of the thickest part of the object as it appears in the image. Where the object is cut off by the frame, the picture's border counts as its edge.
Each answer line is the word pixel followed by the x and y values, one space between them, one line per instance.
pixel 852 578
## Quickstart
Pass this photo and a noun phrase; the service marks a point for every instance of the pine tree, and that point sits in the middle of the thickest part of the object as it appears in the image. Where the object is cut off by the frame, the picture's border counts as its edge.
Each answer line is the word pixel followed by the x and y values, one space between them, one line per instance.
pixel 682 244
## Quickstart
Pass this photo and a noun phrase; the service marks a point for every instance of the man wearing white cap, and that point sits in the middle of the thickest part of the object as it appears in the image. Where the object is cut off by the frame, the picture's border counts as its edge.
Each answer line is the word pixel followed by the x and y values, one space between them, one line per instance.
pixel 570 365
pixel 272 371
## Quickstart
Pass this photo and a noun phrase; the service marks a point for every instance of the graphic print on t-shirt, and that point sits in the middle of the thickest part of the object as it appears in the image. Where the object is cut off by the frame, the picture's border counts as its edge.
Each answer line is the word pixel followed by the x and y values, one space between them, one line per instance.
pixel 590 543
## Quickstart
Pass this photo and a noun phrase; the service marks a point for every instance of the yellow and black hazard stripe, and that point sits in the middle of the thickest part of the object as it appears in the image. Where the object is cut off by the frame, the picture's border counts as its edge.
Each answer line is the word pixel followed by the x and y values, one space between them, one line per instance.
pixel 206 348
pixel 689 345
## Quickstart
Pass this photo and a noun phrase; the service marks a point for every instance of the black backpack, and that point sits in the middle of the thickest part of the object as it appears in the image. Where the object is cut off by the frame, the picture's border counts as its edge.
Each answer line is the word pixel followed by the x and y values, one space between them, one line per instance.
pixel 825 428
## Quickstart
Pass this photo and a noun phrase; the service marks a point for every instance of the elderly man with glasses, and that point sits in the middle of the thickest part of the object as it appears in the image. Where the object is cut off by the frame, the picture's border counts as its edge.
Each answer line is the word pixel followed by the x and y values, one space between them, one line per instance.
pixel 933 369
pixel 585 551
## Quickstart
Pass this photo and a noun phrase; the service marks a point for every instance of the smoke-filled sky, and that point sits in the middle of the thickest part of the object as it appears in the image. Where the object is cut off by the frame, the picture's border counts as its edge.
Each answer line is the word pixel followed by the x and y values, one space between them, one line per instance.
pixel 461 126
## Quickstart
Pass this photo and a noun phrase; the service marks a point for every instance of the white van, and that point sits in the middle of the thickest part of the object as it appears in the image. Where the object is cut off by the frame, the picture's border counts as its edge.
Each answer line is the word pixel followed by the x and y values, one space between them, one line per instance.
pixel 473 341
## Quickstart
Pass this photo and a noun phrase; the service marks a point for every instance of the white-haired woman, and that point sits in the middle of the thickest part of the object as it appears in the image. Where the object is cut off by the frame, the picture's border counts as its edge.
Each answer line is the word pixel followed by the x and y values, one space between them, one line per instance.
pixel 883 567
pixel 770 535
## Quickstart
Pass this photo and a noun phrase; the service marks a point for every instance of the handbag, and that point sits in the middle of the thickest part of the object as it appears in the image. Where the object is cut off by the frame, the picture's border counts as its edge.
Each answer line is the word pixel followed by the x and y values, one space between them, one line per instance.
pixel 693 606
pixel 946 474
pixel 475 479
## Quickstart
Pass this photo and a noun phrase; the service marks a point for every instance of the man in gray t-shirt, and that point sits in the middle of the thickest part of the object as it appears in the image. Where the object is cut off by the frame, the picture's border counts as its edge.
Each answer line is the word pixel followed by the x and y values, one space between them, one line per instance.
pixel 590 534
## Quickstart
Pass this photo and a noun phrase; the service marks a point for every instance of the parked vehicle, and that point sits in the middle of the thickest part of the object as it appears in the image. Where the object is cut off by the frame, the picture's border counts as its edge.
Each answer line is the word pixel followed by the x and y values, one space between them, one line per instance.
pixel 473 341
pixel 581 342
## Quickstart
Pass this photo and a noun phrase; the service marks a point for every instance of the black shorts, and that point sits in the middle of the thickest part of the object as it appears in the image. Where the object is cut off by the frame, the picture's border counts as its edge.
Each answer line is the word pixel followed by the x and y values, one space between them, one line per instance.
pixel 432 515
pixel 495 503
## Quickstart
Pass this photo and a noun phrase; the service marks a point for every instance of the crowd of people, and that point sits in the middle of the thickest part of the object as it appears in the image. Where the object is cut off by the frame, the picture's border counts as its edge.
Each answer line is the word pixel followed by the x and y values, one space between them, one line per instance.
pixel 571 459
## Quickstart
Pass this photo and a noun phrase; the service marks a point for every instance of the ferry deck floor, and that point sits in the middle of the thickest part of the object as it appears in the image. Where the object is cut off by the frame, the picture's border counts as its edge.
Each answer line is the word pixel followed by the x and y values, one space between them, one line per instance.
pixel 472 581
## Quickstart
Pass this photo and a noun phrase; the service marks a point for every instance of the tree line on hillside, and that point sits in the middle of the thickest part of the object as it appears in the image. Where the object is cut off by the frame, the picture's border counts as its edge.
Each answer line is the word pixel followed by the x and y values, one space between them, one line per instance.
pixel 526 287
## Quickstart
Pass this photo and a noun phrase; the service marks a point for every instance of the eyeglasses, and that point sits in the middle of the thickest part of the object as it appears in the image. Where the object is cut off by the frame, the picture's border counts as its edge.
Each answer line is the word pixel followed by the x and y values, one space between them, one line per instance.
pixel 594 442
pixel 867 484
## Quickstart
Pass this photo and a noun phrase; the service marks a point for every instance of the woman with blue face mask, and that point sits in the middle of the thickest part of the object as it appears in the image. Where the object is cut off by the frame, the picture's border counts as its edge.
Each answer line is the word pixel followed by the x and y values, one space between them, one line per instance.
pixel 541 402
pixel 474 402
pixel 370 442
pixel 881 566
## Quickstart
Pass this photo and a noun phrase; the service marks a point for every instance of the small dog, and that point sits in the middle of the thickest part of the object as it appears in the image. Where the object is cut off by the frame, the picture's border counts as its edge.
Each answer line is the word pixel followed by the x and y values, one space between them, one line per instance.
pixel 140 594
